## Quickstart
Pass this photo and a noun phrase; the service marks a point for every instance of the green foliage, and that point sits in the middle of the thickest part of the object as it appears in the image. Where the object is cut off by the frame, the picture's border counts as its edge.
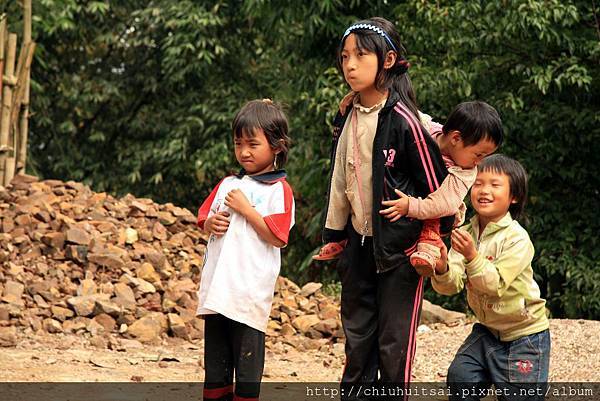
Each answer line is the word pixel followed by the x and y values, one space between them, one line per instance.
pixel 138 96
pixel 537 62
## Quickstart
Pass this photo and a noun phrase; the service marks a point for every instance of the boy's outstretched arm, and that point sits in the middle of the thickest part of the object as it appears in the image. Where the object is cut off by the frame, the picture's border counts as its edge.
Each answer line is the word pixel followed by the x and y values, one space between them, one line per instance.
pixel 444 201
pixel 441 266
pixel 448 278
pixel 493 277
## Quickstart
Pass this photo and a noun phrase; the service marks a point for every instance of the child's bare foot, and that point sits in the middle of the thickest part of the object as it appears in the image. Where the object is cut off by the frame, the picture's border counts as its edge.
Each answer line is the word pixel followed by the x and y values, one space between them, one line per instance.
pixel 331 250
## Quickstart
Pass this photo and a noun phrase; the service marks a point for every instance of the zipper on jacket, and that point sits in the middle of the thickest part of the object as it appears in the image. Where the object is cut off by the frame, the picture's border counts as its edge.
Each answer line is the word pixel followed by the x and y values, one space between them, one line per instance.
pixel 362 240
pixel 481 299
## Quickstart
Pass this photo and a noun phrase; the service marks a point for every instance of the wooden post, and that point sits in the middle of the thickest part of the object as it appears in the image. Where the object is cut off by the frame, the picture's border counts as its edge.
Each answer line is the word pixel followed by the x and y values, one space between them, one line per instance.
pixel 18 95
pixel 21 150
pixel 9 81
pixel 21 73
pixel 2 47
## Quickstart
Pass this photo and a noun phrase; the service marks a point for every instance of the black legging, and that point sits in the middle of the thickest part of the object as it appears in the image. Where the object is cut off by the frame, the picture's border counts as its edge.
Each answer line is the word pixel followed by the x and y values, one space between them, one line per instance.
pixel 380 314
pixel 229 347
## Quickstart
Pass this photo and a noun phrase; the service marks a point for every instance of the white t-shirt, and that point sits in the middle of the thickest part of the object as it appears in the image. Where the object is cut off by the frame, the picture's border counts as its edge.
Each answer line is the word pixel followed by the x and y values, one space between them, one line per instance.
pixel 240 268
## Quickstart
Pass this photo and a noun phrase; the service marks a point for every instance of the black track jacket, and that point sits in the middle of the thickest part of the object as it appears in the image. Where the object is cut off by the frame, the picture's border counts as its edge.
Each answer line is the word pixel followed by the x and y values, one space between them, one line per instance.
pixel 407 158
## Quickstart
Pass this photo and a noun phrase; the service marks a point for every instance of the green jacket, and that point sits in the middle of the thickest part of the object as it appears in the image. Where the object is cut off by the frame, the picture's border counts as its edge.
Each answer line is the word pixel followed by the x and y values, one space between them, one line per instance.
pixel 501 290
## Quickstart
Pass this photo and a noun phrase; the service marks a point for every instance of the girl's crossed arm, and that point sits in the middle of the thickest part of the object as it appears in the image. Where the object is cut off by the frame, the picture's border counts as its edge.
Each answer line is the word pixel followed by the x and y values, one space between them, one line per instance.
pixel 238 202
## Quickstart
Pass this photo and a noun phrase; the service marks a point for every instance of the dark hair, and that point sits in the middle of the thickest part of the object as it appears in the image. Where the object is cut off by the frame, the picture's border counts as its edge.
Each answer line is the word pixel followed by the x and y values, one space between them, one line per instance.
pixel 475 121
pixel 517 178
pixel 395 77
pixel 268 117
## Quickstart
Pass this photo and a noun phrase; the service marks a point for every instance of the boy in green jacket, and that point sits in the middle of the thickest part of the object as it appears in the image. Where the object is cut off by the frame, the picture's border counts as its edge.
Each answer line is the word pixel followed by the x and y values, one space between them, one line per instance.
pixel 510 346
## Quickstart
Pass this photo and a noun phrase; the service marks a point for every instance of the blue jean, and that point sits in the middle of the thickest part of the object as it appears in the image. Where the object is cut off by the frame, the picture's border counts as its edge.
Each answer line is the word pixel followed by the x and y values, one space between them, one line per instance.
pixel 518 369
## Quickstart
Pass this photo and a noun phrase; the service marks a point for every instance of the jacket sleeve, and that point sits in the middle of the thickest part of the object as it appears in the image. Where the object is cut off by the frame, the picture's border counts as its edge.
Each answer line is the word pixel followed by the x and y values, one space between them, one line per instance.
pixel 453 281
pixel 445 200
pixel 337 209
pixel 493 277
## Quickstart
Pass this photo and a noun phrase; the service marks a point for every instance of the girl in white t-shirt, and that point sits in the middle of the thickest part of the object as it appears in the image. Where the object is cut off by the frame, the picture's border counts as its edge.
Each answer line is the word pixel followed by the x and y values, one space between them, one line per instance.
pixel 249 216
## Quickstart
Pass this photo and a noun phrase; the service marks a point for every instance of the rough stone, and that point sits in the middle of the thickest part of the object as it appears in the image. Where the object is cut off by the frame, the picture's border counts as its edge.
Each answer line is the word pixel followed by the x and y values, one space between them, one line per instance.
pixel 310 288
pixel 305 322
pixel 106 321
pixel 147 272
pixel 431 313
pixel 61 314
pixel 78 236
pixel 83 305
pixel 8 336
pixel 149 328
pixel 177 326
pixel 52 326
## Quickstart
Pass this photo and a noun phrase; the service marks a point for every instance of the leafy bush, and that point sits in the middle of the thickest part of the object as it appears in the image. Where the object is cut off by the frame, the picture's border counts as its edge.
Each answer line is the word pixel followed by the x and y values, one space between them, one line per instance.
pixel 138 96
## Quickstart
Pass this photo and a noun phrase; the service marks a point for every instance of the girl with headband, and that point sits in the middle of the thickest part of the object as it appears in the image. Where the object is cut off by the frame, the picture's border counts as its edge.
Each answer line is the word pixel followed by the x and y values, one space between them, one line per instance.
pixel 379 146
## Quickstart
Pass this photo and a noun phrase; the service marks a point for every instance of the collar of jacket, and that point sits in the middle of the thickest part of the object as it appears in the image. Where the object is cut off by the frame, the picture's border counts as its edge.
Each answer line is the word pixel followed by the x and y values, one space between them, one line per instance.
pixel 492 226
pixel 393 98
pixel 270 177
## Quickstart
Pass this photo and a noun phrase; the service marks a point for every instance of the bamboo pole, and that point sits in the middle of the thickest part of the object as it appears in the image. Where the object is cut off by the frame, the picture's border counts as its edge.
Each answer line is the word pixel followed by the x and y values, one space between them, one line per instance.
pixel 9 81
pixel 21 152
pixel 2 47
pixel 15 134
pixel 9 164
pixel 21 73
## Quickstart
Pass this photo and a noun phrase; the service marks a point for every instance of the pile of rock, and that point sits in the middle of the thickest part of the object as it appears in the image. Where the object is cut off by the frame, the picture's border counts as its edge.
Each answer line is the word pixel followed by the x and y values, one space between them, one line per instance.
pixel 306 311
pixel 76 261
pixel 83 262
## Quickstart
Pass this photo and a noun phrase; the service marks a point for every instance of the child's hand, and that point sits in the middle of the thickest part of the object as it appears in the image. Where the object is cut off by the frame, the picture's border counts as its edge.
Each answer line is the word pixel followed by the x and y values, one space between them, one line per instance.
pixel 237 201
pixel 462 242
pixel 441 266
pixel 398 207
pixel 217 224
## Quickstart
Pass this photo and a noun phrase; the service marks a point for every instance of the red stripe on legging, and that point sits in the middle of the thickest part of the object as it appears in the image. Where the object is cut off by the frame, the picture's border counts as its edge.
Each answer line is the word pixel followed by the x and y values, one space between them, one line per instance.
pixel 412 334
pixel 216 393
pixel 238 398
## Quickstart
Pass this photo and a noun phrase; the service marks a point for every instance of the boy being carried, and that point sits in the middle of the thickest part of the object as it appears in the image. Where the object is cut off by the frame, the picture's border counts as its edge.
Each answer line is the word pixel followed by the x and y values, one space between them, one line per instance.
pixel 473 131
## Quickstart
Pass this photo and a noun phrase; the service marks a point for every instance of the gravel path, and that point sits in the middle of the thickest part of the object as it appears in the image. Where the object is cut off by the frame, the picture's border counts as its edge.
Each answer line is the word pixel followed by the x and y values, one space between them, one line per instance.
pixel 575 357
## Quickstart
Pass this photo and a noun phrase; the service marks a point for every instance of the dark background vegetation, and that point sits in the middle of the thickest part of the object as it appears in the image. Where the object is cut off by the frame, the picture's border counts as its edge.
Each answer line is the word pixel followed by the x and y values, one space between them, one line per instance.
pixel 137 96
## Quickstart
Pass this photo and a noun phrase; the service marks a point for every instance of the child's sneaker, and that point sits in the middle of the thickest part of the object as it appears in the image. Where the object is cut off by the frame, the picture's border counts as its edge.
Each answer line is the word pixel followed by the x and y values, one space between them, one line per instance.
pixel 428 251
pixel 331 250
pixel 425 259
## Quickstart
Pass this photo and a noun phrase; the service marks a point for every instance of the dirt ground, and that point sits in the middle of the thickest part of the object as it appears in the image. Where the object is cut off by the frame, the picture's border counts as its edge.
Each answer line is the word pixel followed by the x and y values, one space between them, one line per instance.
pixel 68 358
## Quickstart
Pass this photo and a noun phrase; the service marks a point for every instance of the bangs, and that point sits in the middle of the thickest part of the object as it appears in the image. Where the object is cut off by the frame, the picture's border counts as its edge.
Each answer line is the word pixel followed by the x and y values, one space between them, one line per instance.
pixel 367 42
pixel 247 124
pixel 498 164
pixel 490 168
pixel 248 132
